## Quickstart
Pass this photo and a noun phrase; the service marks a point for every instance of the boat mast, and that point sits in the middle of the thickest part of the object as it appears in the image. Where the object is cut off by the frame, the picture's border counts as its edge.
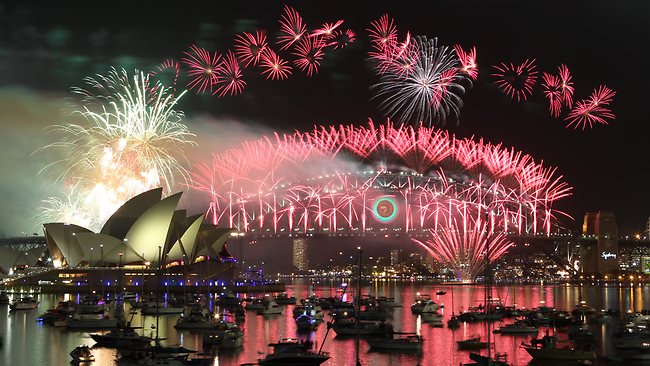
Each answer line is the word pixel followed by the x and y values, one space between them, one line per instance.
pixel 358 306
pixel 488 295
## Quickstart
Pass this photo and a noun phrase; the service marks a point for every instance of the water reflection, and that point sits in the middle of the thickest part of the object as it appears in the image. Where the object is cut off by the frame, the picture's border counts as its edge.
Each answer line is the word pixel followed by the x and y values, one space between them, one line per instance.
pixel 26 342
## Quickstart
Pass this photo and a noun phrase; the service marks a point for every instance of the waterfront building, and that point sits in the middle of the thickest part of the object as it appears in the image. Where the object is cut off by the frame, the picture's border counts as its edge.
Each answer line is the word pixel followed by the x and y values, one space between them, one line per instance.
pixel 599 254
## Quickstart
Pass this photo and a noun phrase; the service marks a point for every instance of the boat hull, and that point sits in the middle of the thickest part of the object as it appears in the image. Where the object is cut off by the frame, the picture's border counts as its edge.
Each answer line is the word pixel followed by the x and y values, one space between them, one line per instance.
pixel 559 354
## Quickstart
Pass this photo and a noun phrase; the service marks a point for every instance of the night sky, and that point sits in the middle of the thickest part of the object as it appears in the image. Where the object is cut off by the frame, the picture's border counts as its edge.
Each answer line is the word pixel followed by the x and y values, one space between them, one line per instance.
pixel 46 49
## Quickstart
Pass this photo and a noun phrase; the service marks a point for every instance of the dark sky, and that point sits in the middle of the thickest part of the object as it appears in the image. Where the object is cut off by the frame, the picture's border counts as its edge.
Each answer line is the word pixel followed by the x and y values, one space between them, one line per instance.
pixel 50 47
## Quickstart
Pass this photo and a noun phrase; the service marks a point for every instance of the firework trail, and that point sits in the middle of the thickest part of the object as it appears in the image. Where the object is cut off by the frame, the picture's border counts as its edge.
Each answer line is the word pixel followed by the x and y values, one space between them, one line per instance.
pixel 553 91
pixel 467 61
pixel 567 85
pixel 463 246
pixel 132 140
pixel 593 110
pixel 327 30
pixel 383 33
pixel 430 92
pixel 273 67
pixel 292 28
pixel 166 74
pixel 250 47
pixel 516 81
pixel 203 68
pixel 342 38
pixel 309 54
pixel 229 78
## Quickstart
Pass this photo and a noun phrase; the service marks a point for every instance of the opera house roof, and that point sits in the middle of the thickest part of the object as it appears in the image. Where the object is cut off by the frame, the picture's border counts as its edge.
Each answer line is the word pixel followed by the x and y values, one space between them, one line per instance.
pixel 145 228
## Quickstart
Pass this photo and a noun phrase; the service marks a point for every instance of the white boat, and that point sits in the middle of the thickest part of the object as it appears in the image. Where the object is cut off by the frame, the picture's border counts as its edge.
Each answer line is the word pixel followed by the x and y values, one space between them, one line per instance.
pixel 306 323
pixel 388 302
pixel 516 328
pixel 402 343
pixel 425 307
pixel 255 304
pixel 25 303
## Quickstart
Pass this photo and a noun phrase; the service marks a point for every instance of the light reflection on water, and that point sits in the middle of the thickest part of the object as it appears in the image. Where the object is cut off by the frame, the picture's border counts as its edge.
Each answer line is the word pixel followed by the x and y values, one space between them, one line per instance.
pixel 28 343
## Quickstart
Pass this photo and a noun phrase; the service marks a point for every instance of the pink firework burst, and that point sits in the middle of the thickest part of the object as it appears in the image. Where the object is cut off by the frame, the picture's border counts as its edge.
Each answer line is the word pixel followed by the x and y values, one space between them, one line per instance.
pixel 327 30
pixel 383 32
pixel 516 81
pixel 309 53
pixel 552 87
pixel 468 61
pixel 292 28
pixel 203 68
pixel 166 73
pixel 273 66
pixel 249 47
pixel 593 110
pixel 464 246
pixel 567 86
pixel 342 38
pixel 230 76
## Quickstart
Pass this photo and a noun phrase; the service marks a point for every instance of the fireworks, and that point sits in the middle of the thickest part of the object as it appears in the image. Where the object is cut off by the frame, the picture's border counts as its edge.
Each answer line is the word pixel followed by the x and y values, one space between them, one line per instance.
pixel 203 68
pixel 593 110
pixel 430 91
pixel 464 246
pixel 294 183
pixel 553 91
pixel 274 67
pixel 309 53
pixel 327 30
pixel 168 70
pixel 230 76
pixel 341 38
pixel 516 81
pixel 250 47
pixel 566 85
pixel 383 33
pixel 292 28
pixel 467 61
pixel 133 140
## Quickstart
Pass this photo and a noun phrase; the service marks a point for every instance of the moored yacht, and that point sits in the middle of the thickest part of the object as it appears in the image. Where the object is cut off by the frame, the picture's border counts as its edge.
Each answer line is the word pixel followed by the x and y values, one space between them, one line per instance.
pixel 409 342
pixel 295 353
pixel 25 303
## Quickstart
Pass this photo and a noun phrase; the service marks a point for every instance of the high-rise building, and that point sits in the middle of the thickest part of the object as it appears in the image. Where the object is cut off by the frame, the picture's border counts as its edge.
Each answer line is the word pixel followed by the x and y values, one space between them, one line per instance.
pixel 300 254
pixel 395 257
pixel 647 229
pixel 599 251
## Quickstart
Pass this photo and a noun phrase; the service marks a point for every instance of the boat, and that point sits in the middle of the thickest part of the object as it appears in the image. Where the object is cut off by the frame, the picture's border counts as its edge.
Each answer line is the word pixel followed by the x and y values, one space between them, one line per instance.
pixel 82 354
pixel 224 339
pixel 127 296
pixel 425 306
pixel 91 304
pixel 346 327
pixel 546 349
pixel 4 298
pixel 499 359
pixel 121 336
pixel 160 310
pixel 388 302
pixel 516 328
pixel 25 303
pixel 472 343
pixel 306 323
pixel 227 299
pixel 441 292
pixel 310 309
pixel 295 353
pixel 412 342
pixel 285 299
pixel 255 304
pixel 195 319
pixel 453 322
pixel 270 308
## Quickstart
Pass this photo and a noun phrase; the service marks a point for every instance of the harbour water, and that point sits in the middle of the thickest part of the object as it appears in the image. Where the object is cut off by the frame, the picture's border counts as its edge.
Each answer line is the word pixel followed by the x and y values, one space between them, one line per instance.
pixel 27 342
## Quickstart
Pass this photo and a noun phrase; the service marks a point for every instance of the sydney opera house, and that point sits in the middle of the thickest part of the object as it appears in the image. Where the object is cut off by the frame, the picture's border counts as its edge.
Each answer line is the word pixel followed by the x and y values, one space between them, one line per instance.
pixel 147 233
